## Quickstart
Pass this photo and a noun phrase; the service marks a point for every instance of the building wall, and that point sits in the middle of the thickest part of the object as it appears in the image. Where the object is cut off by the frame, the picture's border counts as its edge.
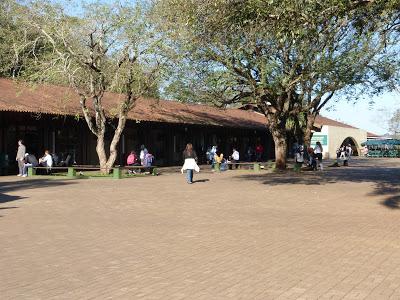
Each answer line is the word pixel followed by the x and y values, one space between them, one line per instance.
pixel 166 141
pixel 337 135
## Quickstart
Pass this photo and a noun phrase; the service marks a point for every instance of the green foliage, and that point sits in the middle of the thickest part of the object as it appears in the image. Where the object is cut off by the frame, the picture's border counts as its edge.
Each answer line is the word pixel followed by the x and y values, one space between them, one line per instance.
pixel 20 45
pixel 288 57
pixel 394 124
pixel 292 54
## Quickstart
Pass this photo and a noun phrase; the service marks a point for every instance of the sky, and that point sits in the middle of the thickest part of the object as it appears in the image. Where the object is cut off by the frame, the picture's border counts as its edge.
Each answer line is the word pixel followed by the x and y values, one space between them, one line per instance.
pixel 362 115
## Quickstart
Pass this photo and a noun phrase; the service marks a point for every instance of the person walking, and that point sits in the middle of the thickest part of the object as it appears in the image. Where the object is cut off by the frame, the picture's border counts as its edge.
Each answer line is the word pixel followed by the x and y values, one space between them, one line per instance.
pixel 20 158
pixel 190 162
pixel 318 155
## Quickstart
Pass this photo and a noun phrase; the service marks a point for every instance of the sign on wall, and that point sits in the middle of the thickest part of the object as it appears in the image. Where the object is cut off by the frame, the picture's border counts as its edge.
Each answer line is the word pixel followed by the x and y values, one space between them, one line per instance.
pixel 322 138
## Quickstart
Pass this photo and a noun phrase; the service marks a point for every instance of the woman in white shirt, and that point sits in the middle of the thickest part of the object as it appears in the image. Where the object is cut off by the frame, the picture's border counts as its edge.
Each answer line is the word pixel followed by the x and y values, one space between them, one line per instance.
pixel 318 154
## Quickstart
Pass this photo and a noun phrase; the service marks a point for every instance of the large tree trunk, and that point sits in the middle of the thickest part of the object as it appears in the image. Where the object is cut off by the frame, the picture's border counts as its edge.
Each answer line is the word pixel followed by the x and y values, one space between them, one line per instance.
pixel 308 130
pixel 115 141
pixel 280 140
pixel 101 153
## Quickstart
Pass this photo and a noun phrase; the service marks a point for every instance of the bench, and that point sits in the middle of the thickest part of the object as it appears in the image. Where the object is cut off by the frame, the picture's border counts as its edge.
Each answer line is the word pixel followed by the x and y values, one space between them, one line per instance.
pixel 32 170
pixel 256 166
pixel 71 171
pixel 151 169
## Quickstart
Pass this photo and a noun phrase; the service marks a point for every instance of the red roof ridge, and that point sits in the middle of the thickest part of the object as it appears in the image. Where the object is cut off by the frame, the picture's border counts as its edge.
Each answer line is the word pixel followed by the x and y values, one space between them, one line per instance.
pixel 61 100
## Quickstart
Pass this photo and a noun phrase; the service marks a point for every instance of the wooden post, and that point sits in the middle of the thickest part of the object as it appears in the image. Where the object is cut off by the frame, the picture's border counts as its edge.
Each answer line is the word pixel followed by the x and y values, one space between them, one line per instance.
pixel 117 173
pixel 71 172
pixel 31 171
pixel 154 173
pixel 256 167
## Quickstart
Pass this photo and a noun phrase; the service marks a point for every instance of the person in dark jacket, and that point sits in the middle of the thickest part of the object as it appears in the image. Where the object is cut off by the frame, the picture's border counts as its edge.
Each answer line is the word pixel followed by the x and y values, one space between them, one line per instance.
pixel 30 161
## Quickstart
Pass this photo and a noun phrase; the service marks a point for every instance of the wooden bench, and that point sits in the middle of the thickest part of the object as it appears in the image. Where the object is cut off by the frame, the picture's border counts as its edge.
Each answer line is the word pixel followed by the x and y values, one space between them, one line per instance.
pixel 256 166
pixel 151 169
pixel 32 170
pixel 71 171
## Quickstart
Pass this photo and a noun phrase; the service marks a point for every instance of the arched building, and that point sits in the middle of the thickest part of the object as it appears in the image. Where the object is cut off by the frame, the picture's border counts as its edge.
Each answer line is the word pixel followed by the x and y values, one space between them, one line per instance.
pixel 333 134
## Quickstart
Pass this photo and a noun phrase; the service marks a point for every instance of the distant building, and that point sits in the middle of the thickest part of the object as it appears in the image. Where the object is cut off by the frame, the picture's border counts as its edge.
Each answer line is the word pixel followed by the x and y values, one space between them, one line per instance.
pixel 49 117
pixel 333 134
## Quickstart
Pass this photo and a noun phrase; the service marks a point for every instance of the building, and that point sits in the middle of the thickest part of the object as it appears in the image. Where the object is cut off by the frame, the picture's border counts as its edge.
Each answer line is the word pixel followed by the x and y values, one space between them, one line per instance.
pixel 49 117
pixel 333 134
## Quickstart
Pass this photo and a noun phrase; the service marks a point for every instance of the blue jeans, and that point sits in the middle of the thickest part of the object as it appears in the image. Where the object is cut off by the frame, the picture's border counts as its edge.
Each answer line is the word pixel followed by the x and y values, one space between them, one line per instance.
pixel 189 175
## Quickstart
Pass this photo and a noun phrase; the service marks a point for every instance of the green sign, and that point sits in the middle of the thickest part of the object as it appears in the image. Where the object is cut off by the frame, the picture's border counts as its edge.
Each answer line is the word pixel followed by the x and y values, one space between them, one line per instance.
pixel 322 138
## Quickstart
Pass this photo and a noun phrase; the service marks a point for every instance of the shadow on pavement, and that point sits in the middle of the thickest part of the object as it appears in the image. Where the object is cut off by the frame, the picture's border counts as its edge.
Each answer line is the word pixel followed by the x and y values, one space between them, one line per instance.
pixel 18 185
pixel 386 178
pixel 201 180
pixel 8 207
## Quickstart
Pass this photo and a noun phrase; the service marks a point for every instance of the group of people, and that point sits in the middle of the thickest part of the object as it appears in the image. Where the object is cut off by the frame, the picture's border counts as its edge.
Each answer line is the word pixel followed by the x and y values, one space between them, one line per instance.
pixel 145 159
pixel 214 156
pixel 312 157
pixel 344 154
pixel 26 160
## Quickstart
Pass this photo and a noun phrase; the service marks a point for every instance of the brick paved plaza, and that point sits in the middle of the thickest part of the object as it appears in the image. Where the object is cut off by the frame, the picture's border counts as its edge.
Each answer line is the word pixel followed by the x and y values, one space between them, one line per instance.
pixel 236 235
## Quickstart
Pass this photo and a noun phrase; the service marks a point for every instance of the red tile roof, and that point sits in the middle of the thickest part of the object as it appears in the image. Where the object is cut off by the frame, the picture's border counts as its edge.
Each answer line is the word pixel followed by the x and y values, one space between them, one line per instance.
pixel 50 99
pixel 372 135
pixel 321 121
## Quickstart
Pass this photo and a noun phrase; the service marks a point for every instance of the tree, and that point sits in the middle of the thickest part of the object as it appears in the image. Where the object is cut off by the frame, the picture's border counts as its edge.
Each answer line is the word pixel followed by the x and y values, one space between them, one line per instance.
pixel 289 57
pixel 108 48
pixel 394 124
pixel 19 45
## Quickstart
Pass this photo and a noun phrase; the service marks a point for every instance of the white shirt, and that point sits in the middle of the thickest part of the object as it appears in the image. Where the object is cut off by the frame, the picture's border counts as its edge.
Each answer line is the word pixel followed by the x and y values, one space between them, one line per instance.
pixel 190 164
pixel 317 150
pixel 143 154
pixel 48 159
pixel 235 155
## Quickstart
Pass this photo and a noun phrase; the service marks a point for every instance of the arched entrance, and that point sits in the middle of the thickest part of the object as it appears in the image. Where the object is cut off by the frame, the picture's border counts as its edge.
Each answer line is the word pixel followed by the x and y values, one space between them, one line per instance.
pixel 353 143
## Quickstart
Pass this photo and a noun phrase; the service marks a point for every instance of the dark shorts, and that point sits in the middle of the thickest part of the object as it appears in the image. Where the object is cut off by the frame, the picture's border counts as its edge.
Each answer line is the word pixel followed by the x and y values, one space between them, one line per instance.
pixel 319 156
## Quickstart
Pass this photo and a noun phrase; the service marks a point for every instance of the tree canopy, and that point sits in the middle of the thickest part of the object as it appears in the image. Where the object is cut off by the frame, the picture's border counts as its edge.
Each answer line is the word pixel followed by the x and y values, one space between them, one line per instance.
pixel 289 57
pixel 107 48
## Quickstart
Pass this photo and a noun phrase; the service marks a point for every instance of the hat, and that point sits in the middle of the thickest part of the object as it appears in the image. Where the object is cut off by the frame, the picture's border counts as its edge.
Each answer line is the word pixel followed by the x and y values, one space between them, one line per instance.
pixel 26 154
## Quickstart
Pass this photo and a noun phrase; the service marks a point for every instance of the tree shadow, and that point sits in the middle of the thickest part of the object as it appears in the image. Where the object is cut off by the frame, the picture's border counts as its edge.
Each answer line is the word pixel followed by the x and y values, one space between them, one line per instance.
pixel 8 207
pixel 384 176
pixel 28 184
pixel 392 194
pixel 4 198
